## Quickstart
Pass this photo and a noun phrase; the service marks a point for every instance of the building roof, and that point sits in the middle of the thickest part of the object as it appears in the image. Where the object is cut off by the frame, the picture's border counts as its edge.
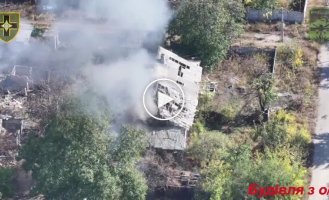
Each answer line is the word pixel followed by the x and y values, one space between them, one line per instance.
pixel 169 139
pixel 188 75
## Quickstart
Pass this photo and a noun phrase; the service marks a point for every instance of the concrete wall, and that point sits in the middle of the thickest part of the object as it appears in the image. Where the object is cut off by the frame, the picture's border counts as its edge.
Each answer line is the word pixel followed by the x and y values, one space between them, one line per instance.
pixel 254 15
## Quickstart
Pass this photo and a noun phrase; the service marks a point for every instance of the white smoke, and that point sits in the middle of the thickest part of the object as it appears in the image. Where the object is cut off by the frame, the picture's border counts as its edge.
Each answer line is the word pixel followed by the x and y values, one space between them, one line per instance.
pixel 120 41
pixel 148 15
pixel 108 43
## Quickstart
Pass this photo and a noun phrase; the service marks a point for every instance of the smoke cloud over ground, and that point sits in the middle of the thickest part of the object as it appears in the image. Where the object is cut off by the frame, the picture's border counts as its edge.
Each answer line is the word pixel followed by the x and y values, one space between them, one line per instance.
pixel 109 44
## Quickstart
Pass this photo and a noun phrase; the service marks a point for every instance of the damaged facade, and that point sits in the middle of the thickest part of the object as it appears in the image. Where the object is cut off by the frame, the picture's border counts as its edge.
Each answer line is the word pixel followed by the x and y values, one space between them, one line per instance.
pixel 12 112
pixel 18 81
pixel 14 88
pixel 187 74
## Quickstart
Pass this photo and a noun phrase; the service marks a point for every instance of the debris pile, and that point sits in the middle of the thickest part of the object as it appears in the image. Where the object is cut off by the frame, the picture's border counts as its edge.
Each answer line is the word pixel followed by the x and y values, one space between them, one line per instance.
pixel 14 88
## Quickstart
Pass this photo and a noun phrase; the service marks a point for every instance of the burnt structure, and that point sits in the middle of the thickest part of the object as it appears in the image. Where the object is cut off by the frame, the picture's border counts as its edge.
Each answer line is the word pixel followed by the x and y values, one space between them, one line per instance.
pixel 187 74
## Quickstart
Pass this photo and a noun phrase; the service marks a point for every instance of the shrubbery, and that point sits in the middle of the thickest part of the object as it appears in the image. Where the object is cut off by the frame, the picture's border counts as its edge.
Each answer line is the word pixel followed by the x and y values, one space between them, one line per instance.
pixel 262 4
pixel 6 185
pixel 284 130
pixel 229 165
pixel 227 169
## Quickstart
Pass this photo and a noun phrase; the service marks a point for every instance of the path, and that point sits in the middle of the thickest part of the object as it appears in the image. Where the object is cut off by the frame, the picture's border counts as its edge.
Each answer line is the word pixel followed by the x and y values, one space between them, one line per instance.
pixel 320 169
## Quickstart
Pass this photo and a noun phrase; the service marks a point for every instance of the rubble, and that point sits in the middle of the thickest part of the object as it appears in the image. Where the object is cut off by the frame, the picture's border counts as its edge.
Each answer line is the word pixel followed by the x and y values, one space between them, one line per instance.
pixel 178 178
pixel 13 111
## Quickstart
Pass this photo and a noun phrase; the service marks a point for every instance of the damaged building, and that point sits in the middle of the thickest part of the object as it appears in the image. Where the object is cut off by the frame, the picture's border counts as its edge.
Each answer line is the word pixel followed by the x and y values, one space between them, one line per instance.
pixel 18 81
pixel 169 139
pixel 11 128
pixel 187 74
pixel 15 85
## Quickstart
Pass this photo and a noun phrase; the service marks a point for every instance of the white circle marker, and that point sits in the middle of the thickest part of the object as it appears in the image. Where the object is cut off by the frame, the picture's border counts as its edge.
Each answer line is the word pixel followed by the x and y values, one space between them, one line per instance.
pixel 163 98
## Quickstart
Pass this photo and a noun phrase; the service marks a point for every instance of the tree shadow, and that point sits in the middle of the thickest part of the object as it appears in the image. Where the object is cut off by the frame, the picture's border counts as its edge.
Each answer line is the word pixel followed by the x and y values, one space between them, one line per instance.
pixel 321 150
pixel 323 77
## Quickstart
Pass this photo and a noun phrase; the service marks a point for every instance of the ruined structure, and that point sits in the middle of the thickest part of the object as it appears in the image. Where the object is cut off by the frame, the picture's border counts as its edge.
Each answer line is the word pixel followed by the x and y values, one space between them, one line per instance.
pixel 18 81
pixel 187 75
pixel 51 39
pixel 169 139
pixel 13 126
pixel 13 91
pixel 10 139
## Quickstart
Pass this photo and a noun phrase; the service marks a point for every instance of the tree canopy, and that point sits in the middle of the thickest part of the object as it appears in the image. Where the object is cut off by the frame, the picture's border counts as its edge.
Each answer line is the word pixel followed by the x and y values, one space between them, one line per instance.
pixel 228 168
pixel 6 185
pixel 76 158
pixel 207 28
pixel 262 4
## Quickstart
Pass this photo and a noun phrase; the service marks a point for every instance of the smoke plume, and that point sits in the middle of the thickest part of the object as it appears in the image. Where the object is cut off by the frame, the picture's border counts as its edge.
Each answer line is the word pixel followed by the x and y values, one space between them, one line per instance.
pixel 109 43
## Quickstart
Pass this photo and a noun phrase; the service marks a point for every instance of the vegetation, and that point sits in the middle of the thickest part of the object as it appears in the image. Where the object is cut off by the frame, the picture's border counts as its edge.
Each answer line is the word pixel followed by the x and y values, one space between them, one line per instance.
pixel 262 4
pixel 284 130
pixel 319 24
pixel 37 32
pixel 265 90
pixel 231 158
pixel 72 159
pixel 6 184
pixel 246 89
pixel 296 73
pixel 296 5
pixel 228 166
pixel 207 28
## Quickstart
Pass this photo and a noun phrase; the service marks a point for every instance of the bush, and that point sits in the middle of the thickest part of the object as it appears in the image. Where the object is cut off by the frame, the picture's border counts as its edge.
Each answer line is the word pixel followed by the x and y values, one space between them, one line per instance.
pixel 209 146
pixel 268 169
pixel 285 130
pixel 291 55
pixel 37 32
pixel 262 4
pixel 6 185
pixel 230 178
pixel 230 112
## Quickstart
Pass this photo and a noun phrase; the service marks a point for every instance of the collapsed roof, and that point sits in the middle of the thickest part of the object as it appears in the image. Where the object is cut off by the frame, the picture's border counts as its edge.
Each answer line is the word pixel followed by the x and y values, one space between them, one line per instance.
pixel 188 75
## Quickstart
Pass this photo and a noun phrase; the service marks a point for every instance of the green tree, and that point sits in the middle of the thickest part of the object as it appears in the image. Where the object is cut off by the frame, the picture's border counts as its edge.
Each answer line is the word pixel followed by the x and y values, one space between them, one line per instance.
pixel 212 151
pixel 285 130
pixel 262 4
pixel 73 161
pixel 209 146
pixel 129 145
pixel 268 169
pixel 208 27
pixel 125 153
pixel 132 182
pixel 217 176
pixel 6 185
pixel 264 87
pixel 228 170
